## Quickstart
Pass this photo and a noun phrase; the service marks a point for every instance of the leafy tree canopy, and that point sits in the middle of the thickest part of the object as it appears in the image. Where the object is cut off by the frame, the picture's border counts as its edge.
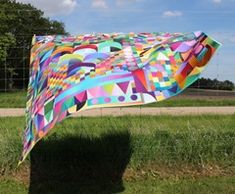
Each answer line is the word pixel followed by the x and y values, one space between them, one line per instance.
pixel 214 84
pixel 24 19
pixel 18 23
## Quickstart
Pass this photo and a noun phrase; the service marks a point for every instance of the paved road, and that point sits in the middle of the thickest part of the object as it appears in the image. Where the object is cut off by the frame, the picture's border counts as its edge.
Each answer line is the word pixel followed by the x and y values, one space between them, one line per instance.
pixel 11 112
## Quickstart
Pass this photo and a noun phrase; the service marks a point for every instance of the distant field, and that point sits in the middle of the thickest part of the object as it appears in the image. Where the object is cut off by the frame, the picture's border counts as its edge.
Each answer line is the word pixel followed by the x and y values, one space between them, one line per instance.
pixel 190 97
pixel 141 154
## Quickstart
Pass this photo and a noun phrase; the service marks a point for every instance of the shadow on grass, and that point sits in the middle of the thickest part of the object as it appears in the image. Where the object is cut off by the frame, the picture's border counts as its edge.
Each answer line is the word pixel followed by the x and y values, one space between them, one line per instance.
pixel 80 164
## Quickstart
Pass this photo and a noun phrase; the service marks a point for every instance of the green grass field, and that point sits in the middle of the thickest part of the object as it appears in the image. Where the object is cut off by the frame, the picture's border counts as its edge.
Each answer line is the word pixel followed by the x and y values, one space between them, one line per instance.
pixel 13 99
pixel 145 154
pixel 150 185
pixel 190 97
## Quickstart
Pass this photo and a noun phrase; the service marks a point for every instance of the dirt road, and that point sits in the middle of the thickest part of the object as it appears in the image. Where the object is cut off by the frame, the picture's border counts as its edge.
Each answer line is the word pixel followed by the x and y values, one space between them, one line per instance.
pixel 12 112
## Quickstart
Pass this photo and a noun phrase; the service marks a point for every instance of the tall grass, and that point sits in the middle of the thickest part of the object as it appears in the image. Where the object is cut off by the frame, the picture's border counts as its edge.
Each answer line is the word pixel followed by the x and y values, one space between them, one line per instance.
pixel 165 140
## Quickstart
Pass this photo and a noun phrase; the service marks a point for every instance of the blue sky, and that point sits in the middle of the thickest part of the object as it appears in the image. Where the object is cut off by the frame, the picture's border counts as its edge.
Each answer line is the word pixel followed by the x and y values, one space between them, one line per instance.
pixel 215 17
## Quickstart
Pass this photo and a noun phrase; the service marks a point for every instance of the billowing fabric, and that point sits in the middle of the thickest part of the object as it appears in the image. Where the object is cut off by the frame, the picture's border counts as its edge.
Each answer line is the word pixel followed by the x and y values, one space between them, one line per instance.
pixel 70 74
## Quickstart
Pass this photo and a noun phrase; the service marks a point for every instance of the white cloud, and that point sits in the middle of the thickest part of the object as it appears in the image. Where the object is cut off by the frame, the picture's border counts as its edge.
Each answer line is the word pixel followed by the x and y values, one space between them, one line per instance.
pixel 53 7
pixel 217 1
pixel 101 4
pixel 169 13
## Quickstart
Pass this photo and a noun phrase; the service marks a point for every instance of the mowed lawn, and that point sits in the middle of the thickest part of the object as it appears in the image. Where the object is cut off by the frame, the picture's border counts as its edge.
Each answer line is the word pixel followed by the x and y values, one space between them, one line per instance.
pixel 143 154
pixel 189 97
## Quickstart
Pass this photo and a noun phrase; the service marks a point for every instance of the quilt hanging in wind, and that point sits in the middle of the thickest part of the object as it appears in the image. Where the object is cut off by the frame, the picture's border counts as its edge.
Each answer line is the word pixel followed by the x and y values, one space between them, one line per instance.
pixel 74 73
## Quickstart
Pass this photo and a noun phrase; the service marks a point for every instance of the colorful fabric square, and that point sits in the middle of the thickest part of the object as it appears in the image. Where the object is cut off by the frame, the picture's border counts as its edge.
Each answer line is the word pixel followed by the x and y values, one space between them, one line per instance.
pixel 70 74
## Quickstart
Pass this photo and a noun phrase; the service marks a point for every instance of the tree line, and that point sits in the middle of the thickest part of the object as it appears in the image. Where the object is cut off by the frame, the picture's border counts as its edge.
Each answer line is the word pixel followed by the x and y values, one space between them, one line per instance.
pixel 214 84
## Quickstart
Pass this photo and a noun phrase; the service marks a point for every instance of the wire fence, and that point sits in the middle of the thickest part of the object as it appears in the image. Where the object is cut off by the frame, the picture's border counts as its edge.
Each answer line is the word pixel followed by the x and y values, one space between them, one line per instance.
pixel 14 70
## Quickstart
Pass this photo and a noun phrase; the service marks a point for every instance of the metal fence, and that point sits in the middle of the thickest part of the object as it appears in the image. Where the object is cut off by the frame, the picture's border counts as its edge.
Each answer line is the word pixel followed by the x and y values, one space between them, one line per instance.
pixel 14 71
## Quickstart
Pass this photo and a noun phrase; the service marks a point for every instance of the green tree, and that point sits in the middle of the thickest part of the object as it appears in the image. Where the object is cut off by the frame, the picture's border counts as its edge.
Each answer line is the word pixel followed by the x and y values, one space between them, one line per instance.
pixel 18 23
pixel 6 41
pixel 207 83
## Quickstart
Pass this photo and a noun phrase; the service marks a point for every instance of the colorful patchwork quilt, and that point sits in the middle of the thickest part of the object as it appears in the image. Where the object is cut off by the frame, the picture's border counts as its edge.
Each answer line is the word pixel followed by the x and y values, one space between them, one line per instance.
pixel 74 73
